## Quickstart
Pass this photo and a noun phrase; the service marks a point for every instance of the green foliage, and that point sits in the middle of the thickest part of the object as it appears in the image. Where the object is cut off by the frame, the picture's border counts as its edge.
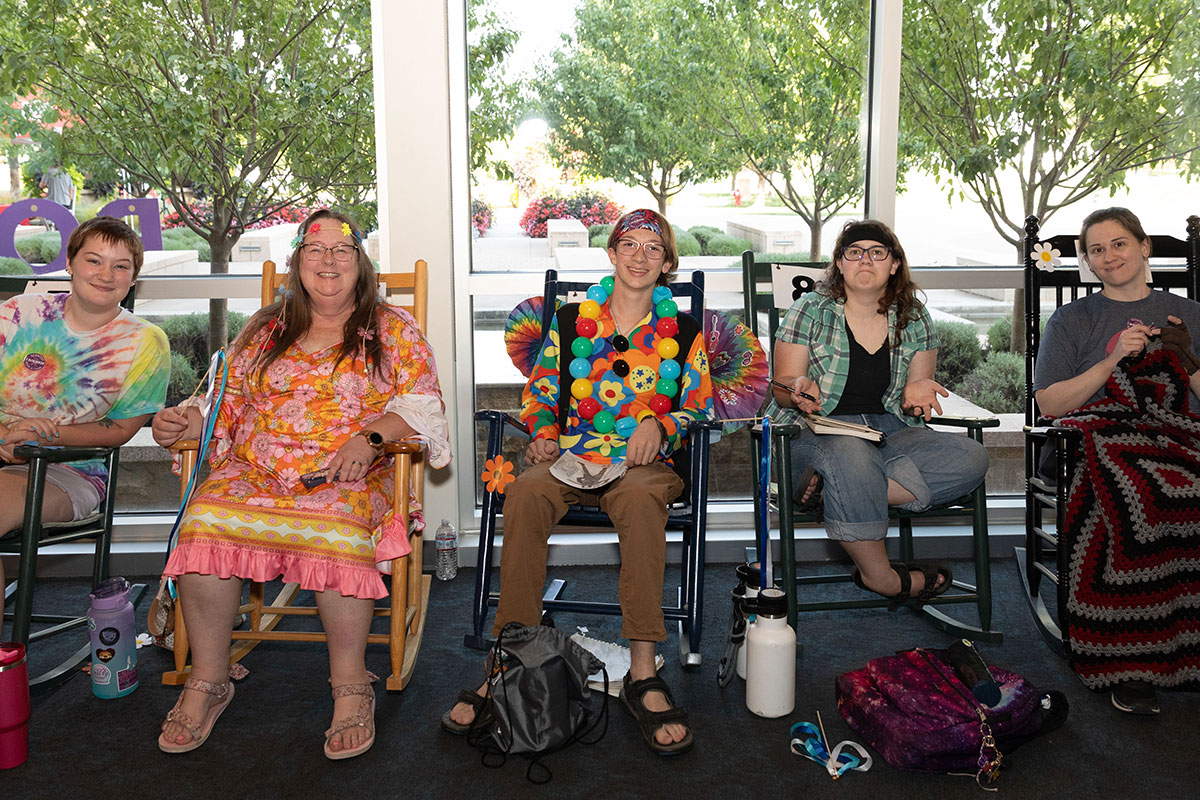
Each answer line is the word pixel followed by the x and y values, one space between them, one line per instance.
pixel 600 229
pixel 14 266
pixel 958 351
pixel 998 384
pixel 999 336
pixel 781 82
pixel 599 240
pixel 1025 106
pixel 184 378
pixel 258 104
pixel 186 239
pixel 41 248
pixel 495 101
pixel 724 245
pixel 704 232
pixel 686 244
pixel 188 335
pixel 618 107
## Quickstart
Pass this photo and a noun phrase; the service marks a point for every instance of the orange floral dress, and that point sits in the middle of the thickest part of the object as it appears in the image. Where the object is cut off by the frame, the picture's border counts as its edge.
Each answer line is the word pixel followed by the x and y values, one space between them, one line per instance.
pixel 253 517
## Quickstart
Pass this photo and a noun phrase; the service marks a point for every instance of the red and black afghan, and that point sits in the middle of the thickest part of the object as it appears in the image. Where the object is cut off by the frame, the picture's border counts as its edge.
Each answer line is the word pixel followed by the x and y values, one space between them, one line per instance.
pixel 1133 609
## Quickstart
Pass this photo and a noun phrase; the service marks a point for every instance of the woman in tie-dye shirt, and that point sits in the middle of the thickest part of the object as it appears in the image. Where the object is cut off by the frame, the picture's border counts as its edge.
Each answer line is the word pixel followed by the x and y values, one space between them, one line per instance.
pixel 77 369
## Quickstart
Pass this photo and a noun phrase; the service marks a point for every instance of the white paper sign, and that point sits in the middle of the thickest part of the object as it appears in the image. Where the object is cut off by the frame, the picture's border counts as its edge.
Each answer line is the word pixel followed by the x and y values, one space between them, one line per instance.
pixel 789 282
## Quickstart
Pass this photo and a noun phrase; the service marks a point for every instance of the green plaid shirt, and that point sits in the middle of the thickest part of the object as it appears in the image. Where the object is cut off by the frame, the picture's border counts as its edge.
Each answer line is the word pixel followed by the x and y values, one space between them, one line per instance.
pixel 819 322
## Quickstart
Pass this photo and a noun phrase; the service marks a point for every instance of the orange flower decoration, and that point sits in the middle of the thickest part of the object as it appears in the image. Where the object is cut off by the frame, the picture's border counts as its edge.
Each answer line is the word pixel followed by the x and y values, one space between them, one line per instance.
pixel 497 474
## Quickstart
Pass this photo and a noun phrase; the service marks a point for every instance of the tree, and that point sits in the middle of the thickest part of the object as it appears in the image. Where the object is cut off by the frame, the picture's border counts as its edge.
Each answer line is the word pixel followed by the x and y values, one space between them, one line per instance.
pixel 495 102
pixel 1028 106
pixel 617 104
pixel 784 89
pixel 261 104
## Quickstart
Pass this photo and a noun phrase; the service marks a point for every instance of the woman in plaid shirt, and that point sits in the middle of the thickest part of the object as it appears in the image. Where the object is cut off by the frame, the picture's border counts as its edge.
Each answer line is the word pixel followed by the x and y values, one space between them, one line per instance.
pixel 862 348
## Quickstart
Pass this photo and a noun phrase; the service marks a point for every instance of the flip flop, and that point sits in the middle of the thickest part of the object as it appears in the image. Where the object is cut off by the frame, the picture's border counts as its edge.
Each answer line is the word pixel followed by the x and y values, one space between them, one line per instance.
pixel 904 570
pixel 199 731
pixel 633 694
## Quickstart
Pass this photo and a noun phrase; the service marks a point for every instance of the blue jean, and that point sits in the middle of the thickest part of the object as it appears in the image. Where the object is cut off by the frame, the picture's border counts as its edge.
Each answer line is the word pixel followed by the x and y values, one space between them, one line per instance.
pixel 934 466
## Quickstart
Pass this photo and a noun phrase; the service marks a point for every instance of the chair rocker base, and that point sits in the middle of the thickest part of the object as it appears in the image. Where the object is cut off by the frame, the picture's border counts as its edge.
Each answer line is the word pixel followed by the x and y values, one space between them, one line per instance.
pixel 1046 623
pixel 940 619
pixel 403 651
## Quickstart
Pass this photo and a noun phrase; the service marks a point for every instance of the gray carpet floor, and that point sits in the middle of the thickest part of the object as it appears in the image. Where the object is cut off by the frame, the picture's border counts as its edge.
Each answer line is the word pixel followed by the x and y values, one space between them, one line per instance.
pixel 268 743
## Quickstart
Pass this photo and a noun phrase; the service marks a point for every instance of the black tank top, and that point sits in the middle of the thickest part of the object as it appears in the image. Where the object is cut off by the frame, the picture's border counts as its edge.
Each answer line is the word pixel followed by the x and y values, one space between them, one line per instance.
pixel 868 379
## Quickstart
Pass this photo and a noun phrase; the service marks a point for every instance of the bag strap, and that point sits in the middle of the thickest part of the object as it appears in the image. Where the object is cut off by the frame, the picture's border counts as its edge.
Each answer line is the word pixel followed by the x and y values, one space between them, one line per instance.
pixel 990 756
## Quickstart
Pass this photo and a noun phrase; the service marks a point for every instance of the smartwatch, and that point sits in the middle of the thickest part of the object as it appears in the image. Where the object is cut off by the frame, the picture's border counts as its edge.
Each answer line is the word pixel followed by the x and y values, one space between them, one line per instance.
pixel 374 438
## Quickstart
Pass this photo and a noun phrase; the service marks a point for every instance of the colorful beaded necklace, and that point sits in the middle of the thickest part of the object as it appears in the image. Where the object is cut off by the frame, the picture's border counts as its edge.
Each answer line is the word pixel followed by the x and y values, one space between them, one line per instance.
pixel 586 332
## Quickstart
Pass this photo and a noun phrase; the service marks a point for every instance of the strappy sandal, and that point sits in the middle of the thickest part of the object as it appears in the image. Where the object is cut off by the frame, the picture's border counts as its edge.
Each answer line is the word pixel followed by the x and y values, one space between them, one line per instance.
pixel 904 570
pixel 816 499
pixel 363 718
pixel 199 731
pixel 633 694
pixel 475 701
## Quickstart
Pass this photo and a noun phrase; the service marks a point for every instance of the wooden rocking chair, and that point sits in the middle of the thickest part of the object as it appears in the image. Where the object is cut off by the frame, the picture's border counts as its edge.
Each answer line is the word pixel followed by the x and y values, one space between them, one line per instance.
pixel 410 588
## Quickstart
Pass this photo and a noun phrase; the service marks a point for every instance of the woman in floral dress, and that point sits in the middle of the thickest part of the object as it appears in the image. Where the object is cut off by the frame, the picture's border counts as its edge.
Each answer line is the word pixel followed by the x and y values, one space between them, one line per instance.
pixel 299 487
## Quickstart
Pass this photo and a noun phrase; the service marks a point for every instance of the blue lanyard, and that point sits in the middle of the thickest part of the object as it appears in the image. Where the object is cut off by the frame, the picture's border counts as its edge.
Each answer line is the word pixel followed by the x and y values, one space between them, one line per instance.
pixel 765 578
pixel 219 366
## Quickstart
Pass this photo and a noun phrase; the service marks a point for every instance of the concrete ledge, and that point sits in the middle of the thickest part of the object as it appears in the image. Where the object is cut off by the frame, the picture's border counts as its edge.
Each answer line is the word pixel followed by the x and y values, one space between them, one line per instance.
pixel 769 233
pixel 566 233
pixel 264 244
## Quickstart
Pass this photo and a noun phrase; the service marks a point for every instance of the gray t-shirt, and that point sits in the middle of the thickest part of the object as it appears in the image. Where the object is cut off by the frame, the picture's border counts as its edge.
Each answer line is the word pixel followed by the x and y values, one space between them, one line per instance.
pixel 1082 333
pixel 59 187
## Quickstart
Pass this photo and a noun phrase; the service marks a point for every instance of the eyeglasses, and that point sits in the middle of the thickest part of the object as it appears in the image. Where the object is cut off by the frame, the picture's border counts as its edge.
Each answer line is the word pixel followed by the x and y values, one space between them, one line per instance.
pixel 314 251
pixel 653 250
pixel 873 253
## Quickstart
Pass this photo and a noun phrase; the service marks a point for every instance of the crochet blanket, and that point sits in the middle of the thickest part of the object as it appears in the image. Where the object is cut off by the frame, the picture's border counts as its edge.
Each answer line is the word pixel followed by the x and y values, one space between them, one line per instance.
pixel 1133 608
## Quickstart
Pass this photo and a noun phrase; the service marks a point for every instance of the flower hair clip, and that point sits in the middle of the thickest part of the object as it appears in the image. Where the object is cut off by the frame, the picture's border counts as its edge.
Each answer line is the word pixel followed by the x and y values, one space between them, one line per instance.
pixel 314 228
pixel 366 334
pixel 297 240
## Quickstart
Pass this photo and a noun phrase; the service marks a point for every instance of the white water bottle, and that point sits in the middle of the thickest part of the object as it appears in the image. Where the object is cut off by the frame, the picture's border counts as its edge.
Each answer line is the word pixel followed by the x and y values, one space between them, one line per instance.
pixel 445 544
pixel 771 658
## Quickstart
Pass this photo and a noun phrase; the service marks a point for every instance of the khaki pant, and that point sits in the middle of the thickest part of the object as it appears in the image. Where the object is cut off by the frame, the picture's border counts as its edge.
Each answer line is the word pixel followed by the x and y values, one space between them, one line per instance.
pixel 637 504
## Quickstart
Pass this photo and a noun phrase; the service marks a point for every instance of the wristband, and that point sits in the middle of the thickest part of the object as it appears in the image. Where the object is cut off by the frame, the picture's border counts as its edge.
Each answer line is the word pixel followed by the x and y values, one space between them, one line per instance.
pixel 663 430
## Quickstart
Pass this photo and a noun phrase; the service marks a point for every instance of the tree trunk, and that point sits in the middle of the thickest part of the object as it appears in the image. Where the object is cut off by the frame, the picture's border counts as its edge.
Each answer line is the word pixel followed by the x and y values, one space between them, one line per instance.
pixel 814 234
pixel 218 324
pixel 14 171
pixel 662 205
pixel 1017 340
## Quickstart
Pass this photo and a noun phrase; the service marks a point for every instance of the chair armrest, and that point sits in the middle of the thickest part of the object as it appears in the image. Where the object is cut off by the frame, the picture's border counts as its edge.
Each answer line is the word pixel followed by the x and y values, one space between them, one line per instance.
pixel 697 425
pixel 1044 432
pixel 494 418
pixel 409 446
pixel 58 453
pixel 971 423
pixel 184 445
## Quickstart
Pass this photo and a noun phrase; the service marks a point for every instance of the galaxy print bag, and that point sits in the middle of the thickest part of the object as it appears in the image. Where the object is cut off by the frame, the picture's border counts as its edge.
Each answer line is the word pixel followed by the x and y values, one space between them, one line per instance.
pixel 915 712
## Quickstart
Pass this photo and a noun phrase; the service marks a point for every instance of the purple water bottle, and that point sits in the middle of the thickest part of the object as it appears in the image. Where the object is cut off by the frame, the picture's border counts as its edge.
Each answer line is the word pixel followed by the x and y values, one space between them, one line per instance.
pixel 14 705
pixel 114 642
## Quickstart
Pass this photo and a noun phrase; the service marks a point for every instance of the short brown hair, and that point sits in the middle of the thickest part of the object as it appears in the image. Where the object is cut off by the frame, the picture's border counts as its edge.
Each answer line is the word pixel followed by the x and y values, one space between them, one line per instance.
pixel 111 230
pixel 1123 217
pixel 671 256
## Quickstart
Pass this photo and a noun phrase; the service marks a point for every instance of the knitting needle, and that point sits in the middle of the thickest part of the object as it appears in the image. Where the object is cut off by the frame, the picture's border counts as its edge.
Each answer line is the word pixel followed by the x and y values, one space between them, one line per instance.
pixel 828 754
pixel 805 395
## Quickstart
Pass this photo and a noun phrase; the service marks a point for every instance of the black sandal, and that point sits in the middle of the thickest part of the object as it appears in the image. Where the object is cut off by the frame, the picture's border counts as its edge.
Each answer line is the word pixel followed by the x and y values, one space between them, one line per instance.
pixel 471 698
pixel 904 570
pixel 632 695
pixel 815 500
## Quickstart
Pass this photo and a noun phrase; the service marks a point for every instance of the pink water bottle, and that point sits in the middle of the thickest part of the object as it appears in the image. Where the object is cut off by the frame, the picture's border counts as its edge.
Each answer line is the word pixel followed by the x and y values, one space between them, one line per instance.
pixel 14 705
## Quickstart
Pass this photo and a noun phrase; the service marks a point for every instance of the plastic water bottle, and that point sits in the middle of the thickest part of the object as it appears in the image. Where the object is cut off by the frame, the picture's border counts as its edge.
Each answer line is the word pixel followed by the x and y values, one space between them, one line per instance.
pixel 748 575
pixel 114 642
pixel 446 545
pixel 771 658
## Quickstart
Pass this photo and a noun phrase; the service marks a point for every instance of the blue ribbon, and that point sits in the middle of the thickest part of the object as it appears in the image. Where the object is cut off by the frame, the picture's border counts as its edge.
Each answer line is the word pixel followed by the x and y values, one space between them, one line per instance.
pixel 219 366
pixel 765 579
pixel 807 741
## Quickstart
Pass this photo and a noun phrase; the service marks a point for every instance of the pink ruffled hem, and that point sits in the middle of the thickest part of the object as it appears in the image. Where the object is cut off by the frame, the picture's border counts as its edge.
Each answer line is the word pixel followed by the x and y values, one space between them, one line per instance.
pixel 229 562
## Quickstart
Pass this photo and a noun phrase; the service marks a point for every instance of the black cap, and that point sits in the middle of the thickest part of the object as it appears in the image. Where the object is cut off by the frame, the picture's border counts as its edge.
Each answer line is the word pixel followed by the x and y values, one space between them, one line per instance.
pixel 771 603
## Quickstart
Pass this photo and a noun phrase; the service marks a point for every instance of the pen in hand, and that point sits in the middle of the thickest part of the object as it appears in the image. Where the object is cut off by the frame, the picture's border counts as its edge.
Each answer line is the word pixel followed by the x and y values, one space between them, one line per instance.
pixel 784 386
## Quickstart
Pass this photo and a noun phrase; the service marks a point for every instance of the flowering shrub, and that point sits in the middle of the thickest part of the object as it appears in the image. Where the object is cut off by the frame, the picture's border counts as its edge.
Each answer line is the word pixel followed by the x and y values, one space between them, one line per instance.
pixel 288 214
pixel 590 208
pixel 540 211
pixel 482 216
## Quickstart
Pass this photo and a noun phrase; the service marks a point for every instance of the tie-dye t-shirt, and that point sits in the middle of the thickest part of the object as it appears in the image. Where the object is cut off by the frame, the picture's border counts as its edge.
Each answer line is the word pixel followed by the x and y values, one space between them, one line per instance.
pixel 49 370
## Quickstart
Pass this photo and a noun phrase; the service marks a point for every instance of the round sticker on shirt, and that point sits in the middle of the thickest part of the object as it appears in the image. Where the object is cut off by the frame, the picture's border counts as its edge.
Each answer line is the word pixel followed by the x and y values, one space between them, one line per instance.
pixel 35 361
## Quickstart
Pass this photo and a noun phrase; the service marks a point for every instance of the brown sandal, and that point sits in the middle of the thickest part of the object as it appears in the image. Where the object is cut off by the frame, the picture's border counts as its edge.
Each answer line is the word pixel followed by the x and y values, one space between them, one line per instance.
pixel 363 718
pixel 199 730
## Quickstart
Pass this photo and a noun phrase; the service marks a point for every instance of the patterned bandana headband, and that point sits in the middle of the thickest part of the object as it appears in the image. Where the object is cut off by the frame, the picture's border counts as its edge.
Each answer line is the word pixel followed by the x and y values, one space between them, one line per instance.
pixel 638 220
